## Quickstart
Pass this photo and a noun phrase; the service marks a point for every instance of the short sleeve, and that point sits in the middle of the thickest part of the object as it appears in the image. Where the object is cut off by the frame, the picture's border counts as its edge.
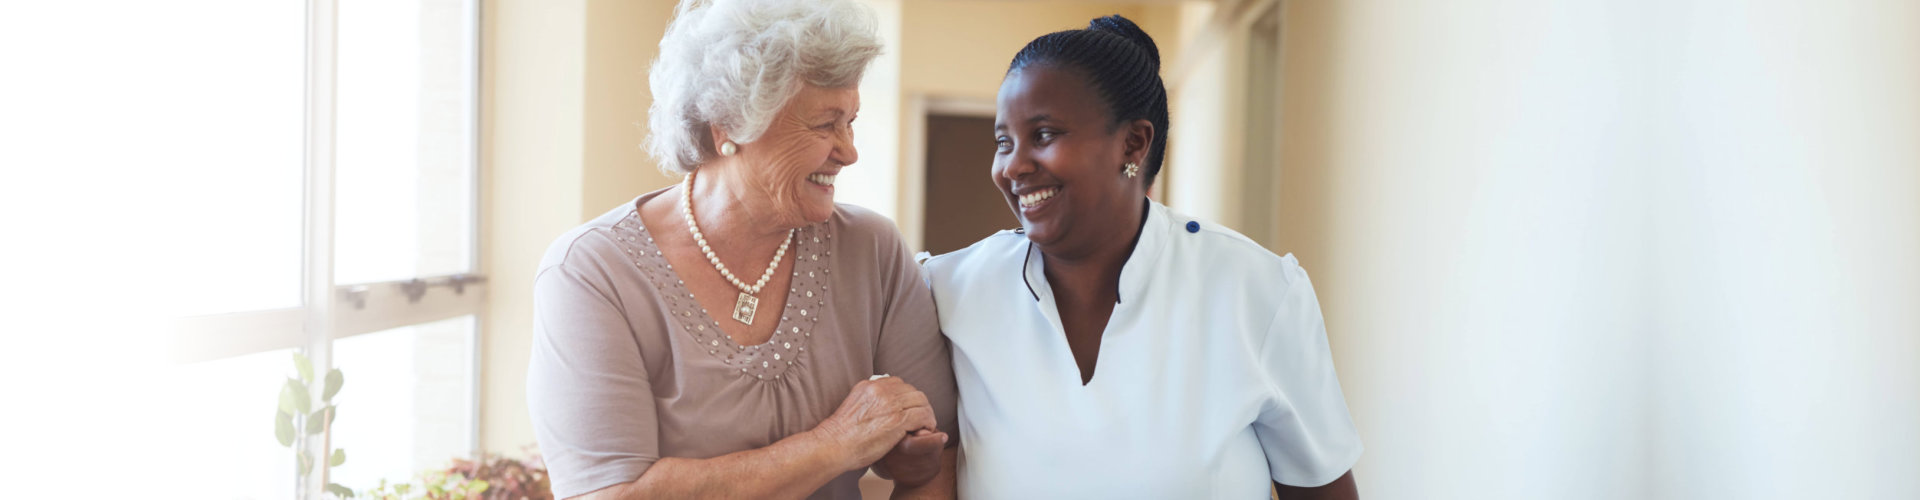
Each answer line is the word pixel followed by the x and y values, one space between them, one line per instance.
pixel 1304 428
pixel 587 386
pixel 910 345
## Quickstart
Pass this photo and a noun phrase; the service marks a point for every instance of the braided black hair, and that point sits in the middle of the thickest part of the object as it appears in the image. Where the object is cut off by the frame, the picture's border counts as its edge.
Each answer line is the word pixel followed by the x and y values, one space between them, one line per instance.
pixel 1124 65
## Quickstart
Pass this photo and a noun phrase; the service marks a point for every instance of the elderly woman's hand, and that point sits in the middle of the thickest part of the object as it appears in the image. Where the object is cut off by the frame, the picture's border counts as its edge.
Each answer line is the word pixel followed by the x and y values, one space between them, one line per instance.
pixel 874 418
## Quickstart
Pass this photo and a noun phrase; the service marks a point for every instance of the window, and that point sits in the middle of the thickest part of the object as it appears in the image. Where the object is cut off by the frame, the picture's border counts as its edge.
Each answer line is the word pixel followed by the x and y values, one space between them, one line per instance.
pixel 404 150
pixel 335 216
pixel 412 407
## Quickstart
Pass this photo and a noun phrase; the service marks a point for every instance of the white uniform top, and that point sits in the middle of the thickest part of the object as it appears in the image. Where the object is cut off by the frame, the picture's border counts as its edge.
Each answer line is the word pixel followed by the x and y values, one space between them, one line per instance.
pixel 1213 377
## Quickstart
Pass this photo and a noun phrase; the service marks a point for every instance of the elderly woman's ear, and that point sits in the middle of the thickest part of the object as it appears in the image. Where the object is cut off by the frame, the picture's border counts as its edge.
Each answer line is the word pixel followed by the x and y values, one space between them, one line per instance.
pixel 722 143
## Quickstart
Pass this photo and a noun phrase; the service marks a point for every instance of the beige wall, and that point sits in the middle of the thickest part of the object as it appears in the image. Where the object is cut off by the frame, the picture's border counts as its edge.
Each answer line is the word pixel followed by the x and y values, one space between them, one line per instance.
pixel 1574 250
pixel 623 37
pixel 960 48
pixel 1455 180
pixel 564 106
pixel 1204 141
pixel 1785 337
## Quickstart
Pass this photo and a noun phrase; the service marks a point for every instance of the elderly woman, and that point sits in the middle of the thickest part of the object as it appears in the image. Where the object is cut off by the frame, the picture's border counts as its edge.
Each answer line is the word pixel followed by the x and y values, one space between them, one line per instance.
pixel 1214 376
pixel 732 336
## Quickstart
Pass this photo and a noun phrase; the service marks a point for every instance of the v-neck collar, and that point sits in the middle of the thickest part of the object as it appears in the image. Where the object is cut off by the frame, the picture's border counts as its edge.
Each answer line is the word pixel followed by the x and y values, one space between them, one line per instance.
pixel 1134 275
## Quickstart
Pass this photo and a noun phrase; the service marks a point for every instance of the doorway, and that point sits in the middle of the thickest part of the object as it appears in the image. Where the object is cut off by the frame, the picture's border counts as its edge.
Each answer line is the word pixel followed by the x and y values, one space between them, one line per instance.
pixel 962 204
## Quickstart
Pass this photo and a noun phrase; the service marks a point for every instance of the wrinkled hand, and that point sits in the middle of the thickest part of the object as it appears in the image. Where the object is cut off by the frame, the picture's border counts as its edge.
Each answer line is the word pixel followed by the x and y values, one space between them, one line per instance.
pixel 915 459
pixel 877 416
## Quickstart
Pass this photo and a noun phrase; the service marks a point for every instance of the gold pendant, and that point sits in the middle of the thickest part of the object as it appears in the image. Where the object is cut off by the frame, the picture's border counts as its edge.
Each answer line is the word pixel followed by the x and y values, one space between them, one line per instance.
pixel 743 309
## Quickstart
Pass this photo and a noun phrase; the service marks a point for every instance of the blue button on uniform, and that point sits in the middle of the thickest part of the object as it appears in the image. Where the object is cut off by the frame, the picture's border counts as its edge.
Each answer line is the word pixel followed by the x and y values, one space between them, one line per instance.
pixel 1193 226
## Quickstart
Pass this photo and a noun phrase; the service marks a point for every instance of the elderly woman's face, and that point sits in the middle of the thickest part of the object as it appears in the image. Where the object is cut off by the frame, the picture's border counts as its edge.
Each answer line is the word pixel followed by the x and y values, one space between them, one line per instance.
pixel 802 151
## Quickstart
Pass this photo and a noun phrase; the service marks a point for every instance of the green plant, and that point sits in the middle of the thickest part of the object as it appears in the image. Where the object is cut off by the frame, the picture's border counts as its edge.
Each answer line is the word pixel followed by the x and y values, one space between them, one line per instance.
pixel 492 477
pixel 296 419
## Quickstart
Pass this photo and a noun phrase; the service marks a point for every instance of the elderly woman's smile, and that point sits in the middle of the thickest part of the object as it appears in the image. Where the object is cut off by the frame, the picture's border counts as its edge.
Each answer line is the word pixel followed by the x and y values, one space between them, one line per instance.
pixel 800 155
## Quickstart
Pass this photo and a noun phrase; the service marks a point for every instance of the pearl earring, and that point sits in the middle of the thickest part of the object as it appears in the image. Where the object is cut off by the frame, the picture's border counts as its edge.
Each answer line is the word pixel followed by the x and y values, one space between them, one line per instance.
pixel 1133 170
pixel 727 148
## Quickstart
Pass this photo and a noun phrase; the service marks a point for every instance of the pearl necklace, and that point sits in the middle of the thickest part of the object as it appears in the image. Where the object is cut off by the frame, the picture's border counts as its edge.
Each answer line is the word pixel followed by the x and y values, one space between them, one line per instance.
pixel 747 304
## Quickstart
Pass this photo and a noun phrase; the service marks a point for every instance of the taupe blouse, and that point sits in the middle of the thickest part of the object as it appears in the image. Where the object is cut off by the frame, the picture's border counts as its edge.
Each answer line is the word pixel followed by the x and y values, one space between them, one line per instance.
pixel 627 368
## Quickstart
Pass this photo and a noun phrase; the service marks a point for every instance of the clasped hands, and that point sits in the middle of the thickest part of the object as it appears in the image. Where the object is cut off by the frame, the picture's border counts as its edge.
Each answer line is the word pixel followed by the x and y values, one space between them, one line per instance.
pixel 887 423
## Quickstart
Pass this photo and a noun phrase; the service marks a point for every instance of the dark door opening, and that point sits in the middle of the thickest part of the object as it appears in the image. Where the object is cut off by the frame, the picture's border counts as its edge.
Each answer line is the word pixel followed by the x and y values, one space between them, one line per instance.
pixel 962 204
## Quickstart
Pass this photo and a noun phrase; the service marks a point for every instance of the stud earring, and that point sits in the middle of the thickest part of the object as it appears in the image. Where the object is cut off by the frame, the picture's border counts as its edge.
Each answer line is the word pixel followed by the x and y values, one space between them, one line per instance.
pixel 727 148
pixel 1133 170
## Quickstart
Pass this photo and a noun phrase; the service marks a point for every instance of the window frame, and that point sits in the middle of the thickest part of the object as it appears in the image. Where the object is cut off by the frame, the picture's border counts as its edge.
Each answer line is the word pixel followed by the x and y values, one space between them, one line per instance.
pixel 331 311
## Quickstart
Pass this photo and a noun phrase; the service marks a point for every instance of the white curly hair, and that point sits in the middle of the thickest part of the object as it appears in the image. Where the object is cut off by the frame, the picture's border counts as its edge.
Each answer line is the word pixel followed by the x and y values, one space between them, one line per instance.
pixel 734 63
